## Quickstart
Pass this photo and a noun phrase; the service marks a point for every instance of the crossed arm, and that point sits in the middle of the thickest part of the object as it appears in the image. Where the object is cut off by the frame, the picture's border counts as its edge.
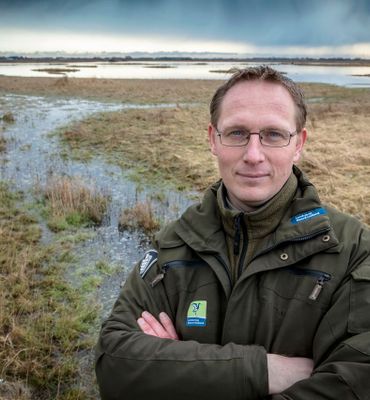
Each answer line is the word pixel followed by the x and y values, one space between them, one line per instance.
pixel 283 372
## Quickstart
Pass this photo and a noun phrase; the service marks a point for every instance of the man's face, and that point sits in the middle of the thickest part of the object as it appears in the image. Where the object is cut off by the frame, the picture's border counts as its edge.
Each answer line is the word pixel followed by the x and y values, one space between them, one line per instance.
pixel 253 174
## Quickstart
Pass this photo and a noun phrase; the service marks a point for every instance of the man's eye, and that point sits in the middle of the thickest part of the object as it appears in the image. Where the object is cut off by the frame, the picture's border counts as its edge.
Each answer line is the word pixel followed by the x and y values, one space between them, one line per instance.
pixel 236 133
pixel 274 135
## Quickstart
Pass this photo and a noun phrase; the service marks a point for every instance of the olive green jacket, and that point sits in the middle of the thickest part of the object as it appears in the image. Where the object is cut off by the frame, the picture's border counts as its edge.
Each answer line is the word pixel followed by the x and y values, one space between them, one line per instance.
pixel 305 292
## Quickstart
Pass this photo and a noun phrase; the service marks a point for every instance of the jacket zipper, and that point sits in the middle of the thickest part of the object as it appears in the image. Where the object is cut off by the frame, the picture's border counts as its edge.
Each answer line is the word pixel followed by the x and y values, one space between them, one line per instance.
pixel 160 276
pixel 166 266
pixel 239 225
pixel 237 222
pixel 321 276
pixel 226 268
pixel 319 285
pixel 310 236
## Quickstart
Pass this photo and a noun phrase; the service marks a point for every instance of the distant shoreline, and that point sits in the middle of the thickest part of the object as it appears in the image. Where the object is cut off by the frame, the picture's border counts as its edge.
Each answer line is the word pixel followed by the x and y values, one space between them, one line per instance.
pixel 128 60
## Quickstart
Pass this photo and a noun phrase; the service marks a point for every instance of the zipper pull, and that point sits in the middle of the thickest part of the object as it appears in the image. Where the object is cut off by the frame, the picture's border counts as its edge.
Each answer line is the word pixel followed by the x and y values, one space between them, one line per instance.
pixel 159 277
pixel 317 289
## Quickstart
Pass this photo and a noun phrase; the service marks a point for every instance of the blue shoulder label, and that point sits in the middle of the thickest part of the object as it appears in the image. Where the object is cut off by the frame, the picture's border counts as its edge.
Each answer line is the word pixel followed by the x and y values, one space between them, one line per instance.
pixel 149 259
pixel 307 215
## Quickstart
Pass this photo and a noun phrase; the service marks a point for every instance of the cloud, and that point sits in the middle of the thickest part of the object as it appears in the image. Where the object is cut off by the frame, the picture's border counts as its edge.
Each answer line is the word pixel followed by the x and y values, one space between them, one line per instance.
pixel 261 23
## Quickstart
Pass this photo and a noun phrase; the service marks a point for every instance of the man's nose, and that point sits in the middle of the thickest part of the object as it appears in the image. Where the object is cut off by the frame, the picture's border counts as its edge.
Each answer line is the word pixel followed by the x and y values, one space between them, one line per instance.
pixel 254 152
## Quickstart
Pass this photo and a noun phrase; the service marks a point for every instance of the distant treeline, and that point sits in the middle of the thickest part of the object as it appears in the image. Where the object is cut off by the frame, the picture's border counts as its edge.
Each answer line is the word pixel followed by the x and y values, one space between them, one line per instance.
pixel 267 60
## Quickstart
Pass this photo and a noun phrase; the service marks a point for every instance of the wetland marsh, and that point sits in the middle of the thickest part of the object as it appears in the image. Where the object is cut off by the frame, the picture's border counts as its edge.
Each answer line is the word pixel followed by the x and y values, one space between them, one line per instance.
pixel 130 145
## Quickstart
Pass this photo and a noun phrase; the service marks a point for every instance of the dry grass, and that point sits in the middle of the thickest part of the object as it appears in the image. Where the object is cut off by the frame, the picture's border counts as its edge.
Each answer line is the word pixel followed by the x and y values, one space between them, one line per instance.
pixel 141 217
pixel 122 90
pixel 71 202
pixel 337 155
pixel 8 117
pixel 171 145
pixel 164 145
pixel 42 319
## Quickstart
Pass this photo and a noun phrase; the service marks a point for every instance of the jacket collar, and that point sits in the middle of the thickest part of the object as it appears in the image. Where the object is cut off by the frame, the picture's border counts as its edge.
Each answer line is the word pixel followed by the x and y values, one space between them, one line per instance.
pixel 262 221
pixel 200 227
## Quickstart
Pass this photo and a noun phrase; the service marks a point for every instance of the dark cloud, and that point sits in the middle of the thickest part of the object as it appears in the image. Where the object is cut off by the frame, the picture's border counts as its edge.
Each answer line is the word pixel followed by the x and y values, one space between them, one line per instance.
pixel 261 22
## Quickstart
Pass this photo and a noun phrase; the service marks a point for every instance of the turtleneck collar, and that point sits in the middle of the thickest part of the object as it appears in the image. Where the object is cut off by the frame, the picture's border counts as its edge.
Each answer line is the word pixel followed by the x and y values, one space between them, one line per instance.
pixel 264 219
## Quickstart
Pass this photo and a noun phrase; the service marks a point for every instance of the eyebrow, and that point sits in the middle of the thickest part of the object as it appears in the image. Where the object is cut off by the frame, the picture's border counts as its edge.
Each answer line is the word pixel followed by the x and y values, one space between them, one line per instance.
pixel 239 127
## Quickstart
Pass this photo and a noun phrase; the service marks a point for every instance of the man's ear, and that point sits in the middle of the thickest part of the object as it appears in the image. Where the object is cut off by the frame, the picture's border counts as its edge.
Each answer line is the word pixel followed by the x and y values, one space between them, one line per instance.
pixel 301 139
pixel 212 139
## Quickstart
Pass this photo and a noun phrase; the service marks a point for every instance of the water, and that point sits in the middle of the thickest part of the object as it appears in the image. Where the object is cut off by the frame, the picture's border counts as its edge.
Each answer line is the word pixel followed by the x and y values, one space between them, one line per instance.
pixel 33 155
pixel 338 75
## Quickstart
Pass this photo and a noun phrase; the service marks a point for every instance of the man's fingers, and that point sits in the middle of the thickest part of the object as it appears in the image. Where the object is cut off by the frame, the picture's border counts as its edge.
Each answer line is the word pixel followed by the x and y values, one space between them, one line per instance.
pixel 168 325
pixel 154 324
pixel 151 326
pixel 145 327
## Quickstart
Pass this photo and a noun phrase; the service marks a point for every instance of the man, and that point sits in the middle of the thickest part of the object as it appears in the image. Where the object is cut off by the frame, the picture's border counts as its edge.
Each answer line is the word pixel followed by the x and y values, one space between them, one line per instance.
pixel 258 292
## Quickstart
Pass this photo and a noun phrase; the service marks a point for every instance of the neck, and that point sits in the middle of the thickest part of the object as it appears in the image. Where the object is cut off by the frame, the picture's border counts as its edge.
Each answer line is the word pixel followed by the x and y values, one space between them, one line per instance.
pixel 288 187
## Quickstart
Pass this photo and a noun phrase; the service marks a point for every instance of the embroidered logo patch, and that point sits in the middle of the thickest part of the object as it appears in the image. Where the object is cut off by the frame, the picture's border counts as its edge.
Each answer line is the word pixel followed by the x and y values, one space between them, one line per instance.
pixel 305 216
pixel 149 259
pixel 197 313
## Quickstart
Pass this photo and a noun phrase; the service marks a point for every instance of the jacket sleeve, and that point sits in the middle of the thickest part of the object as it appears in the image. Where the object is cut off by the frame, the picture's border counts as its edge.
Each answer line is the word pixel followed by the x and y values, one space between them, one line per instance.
pixel 342 342
pixel 133 365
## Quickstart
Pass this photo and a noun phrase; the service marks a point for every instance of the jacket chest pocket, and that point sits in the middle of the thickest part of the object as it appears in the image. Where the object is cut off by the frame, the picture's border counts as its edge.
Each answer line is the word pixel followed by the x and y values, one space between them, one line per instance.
pixel 292 303
pixel 308 285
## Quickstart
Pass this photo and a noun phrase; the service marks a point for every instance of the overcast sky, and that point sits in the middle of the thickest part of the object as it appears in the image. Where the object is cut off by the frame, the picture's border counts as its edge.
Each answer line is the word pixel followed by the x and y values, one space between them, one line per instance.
pixel 249 27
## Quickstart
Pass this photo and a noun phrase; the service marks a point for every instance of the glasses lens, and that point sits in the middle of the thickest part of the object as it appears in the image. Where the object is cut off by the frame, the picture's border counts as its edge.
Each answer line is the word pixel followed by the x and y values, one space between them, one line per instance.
pixel 274 138
pixel 237 137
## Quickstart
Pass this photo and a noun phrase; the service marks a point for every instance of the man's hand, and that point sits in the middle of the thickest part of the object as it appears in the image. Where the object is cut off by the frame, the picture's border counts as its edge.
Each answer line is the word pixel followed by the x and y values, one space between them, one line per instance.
pixel 283 372
pixel 163 328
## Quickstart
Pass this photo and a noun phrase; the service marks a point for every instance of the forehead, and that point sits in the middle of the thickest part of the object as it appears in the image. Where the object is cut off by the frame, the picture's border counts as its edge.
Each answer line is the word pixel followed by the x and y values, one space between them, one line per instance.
pixel 254 99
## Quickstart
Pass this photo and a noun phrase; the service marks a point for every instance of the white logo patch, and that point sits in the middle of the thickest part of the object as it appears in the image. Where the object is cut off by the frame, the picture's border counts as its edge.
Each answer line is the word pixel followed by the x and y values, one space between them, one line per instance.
pixel 149 259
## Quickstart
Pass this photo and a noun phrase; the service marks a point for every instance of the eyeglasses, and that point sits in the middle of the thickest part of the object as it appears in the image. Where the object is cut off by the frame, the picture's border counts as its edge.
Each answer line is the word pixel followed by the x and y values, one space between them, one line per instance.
pixel 268 137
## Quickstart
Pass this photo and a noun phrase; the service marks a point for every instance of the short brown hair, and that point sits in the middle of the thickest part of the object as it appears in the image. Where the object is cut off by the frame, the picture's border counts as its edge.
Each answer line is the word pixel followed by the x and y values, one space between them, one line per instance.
pixel 263 73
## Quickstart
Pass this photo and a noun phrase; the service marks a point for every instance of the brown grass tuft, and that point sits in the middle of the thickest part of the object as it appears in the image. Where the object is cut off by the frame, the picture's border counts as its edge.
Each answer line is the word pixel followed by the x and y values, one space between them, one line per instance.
pixel 72 200
pixel 8 117
pixel 140 216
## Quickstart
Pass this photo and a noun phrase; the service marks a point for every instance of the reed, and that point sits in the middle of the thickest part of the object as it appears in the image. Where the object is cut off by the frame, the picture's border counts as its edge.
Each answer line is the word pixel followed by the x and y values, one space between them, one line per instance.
pixel 141 217
pixel 72 203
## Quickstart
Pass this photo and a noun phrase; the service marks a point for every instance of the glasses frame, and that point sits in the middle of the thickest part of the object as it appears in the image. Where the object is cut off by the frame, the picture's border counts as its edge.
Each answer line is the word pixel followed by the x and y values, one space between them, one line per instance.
pixel 291 134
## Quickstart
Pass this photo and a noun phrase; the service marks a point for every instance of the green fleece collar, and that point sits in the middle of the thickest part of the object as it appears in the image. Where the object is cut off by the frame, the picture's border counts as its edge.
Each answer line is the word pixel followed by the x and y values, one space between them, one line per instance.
pixel 265 219
pixel 201 227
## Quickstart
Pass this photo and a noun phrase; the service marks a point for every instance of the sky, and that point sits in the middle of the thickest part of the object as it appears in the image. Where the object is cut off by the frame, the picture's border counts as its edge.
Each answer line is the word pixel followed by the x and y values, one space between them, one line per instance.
pixel 286 28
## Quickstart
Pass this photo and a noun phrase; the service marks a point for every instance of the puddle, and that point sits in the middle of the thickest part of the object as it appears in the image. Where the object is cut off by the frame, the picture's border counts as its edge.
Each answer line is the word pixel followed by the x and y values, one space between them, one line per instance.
pixel 33 155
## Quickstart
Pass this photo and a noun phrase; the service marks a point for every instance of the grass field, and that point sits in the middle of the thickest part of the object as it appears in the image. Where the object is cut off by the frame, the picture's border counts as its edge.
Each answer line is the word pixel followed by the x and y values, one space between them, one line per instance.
pixel 170 145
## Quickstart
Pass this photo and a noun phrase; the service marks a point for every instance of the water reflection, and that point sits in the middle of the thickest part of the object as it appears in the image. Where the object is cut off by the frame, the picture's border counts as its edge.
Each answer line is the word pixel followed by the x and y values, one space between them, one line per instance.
pixel 339 75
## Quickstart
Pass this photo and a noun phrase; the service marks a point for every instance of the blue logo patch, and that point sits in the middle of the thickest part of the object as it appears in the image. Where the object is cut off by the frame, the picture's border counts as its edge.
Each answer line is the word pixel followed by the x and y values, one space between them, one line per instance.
pixel 305 216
